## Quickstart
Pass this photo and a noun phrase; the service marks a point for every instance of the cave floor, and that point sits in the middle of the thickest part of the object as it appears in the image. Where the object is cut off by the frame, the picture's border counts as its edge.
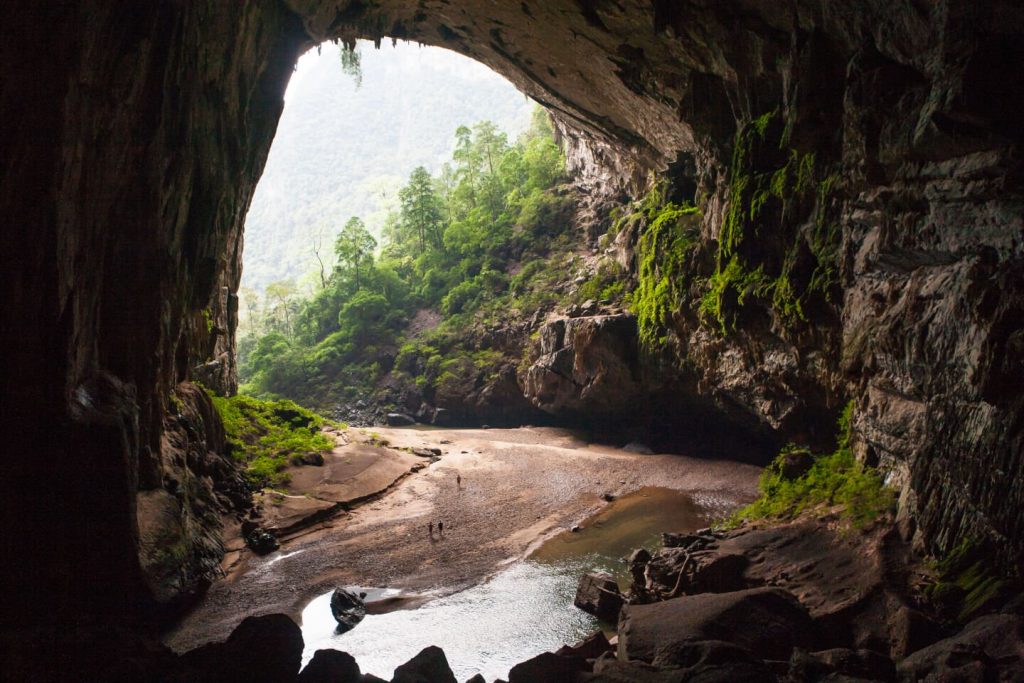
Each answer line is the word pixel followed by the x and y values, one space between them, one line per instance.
pixel 518 487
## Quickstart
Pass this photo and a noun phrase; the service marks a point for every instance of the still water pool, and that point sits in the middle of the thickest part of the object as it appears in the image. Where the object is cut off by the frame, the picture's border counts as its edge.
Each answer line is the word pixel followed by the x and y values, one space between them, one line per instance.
pixel 520 612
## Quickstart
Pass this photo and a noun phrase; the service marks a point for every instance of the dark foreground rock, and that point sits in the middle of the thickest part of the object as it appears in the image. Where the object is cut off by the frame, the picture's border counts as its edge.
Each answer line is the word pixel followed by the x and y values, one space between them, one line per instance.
pixel 711 663
pixel 990 648
pixel 429 666
pixel 857 664
pixel 549 667
pixel 331 666
pixel 845 580
pixel 265 649
pixel 591 647
pixel 347 608
pixel 768 622
pixel 598 594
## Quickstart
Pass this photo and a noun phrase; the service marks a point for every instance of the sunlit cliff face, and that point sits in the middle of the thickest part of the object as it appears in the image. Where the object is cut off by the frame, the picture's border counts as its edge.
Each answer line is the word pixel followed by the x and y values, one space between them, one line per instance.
pixel 133 141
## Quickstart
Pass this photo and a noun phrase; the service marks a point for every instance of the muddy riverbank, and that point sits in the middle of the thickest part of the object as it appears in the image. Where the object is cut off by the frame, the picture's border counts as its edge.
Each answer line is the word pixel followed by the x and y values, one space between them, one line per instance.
pixel 518 488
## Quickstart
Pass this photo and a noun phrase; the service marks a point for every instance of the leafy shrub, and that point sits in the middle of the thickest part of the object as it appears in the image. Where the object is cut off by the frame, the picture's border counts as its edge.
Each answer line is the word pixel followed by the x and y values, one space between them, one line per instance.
pixel 833 479
pixel 265 434
pixel 670 234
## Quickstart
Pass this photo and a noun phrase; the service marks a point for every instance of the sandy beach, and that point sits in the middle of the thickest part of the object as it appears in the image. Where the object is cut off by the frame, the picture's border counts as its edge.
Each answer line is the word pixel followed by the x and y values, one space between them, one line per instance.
pixel 519 486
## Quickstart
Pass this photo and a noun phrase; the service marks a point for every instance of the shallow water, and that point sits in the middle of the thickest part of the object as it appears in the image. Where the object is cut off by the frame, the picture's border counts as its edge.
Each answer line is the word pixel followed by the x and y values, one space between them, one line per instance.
pixel 520 612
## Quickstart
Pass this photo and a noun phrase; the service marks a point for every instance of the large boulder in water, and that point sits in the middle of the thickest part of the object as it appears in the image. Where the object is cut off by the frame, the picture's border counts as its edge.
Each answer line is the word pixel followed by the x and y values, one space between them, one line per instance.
pixel 400 420
pixel 348 609
pixel 598 594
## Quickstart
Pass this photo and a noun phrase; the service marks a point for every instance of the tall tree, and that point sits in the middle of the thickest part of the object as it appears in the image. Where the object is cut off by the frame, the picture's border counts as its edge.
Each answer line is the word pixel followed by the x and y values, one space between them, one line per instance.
pixel 421 209
pixel 467 159
pixel 282 293
pixel 354 247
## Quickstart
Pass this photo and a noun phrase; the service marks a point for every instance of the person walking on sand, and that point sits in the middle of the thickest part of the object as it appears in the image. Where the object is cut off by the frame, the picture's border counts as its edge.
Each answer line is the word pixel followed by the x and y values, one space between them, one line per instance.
pixel 430 528
pixel 458 480
pixel 440 528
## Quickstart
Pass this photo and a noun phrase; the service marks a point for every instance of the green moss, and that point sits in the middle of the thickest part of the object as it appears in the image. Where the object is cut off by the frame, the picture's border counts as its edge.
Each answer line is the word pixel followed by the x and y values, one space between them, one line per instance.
pixel 825 242
pixel 727 291
pixel 265 434
pixel 175 403
pixel 836 479
pixel 770 188
pixel 208 320
pixel 671 232
pixel 966 583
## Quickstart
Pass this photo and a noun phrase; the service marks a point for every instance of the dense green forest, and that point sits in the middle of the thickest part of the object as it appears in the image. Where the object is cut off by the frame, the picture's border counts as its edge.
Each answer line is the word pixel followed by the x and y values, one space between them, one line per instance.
pixel 346 145
pixel 484 239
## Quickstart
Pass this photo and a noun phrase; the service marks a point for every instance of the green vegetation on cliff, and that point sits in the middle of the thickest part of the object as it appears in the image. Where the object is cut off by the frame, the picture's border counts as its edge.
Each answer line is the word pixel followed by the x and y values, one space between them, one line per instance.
pixel 354 126
pixel 762 254
pixel 966 582
pixel 670 233
pixel 835 479
pixel 481 241
pixel 267 435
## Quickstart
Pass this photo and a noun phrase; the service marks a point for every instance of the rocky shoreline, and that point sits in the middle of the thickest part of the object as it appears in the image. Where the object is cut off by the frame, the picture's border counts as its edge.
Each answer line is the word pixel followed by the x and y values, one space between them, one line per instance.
pixel 807 600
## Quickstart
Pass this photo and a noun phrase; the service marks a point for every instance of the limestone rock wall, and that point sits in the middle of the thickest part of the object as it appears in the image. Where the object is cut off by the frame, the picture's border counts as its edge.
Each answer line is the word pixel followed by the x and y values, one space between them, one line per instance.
pixel 134 135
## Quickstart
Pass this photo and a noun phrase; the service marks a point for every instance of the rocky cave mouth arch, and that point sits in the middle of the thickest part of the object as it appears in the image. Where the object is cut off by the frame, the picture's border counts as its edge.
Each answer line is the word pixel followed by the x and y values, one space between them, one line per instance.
pixel 134 141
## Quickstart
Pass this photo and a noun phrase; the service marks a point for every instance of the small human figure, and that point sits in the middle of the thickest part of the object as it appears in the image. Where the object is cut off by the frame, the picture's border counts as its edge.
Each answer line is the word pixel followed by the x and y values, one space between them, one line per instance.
pixel 440 528
pixel 430 528
pixel 458 480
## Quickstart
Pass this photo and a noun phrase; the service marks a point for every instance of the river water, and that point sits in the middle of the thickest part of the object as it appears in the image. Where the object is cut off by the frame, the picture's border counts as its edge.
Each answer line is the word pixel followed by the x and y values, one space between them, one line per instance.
pixel 521 611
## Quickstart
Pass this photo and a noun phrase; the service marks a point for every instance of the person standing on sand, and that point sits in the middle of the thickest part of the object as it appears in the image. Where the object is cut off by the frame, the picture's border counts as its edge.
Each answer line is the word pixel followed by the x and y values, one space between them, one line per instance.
pixel 458 480
pixel 440 528
pixel 430 528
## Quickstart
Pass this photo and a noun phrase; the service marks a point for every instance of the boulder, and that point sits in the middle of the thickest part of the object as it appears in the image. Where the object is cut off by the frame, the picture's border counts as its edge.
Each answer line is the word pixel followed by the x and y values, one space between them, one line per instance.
pixel 399 420
pixel 638 560
pixel 348 609
pixel 701 662
pixel 598 594
pixel 586 366
pixel 426 413
pixel 989 648
pixel 866 664
pixel 429 666
pixel 261 541
pixel 331 666
pixel 314 459
pixel 794 463
pixel 769 622
pixel 591 647
pixel 678 571
pixel 266 649
pixel 442 417
pixel 549 668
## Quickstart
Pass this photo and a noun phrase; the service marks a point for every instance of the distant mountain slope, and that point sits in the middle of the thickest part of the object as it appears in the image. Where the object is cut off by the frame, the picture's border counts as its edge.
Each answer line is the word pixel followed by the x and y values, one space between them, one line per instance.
pixel 344 151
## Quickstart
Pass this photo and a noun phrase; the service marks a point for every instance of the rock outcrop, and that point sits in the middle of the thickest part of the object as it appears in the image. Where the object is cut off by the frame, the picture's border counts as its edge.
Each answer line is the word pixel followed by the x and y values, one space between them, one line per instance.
pixel 587 366
pixel 133 141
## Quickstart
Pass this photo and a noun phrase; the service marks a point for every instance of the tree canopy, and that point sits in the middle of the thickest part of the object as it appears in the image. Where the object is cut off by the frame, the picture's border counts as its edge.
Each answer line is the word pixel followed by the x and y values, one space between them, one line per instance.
pixel 452 246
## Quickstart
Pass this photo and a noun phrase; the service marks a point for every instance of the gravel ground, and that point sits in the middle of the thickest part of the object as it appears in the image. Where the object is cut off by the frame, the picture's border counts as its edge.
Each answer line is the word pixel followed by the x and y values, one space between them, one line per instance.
pixel 519 486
